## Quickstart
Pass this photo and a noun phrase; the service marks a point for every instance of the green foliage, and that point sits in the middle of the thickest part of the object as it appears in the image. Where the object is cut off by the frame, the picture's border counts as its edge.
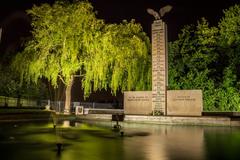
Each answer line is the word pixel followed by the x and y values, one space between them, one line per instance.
pixel 69 39
pixel 58 34
pixel 229 44
pixel 190 58
pixel 10 86
pixel 121 61
pixel 228 96
pixel 207 58
pixel 229 26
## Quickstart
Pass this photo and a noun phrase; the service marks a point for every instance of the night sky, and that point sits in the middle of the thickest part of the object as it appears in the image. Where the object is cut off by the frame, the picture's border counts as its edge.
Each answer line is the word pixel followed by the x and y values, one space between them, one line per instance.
pixel 15 23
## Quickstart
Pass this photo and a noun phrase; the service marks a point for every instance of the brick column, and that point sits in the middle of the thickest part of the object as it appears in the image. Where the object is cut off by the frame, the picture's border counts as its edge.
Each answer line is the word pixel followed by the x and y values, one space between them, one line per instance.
pixel 159 67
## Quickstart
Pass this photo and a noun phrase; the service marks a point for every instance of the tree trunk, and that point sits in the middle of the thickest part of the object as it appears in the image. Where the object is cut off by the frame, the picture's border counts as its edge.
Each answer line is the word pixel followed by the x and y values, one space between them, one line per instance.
pixel 68 97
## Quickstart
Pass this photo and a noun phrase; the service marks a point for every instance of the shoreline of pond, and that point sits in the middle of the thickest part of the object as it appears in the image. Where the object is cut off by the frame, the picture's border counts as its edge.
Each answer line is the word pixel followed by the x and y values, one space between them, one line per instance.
pixel 167 120
pixel 228 119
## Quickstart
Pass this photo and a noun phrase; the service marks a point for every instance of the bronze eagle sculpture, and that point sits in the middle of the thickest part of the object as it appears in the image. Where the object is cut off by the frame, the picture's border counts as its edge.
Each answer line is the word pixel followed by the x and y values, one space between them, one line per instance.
pixel 161 13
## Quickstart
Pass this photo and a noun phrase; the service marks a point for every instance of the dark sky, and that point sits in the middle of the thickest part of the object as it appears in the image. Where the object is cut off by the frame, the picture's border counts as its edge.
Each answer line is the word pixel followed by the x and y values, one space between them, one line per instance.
pixel 183 12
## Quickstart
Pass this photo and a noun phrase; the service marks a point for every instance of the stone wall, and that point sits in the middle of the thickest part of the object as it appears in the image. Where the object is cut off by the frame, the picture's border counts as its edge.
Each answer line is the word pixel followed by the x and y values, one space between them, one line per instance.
pixel 138 102
pixel 179 102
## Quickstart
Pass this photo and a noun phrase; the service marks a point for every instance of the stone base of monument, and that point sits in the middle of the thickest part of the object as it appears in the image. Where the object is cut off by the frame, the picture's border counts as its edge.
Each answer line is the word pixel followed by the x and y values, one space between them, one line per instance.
pixel 157 113
pixel 182 120
pixel 66 112
pixel 184 103
pixel 138 102
pixel 179 103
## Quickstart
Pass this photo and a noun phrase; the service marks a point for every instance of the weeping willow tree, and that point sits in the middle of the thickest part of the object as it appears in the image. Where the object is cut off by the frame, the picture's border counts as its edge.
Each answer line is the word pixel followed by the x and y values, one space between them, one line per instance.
pixel 118 59
pixel 69 39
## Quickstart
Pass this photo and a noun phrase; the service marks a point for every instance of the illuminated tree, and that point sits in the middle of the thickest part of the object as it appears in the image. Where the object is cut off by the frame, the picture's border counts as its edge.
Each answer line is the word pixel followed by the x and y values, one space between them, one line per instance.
pixel 229 28
pixel 191 58
pixel 229 42
pixel 207 58
pixel 10 86
pixel 68 39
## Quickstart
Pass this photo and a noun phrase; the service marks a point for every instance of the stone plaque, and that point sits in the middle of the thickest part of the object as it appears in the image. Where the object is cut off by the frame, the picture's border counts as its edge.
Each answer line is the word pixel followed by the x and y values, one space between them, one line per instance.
pixel 138 102
pixel 184 103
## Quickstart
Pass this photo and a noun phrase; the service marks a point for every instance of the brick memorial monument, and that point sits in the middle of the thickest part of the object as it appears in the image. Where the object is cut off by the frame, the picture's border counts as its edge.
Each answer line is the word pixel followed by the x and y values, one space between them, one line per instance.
pixel 163 102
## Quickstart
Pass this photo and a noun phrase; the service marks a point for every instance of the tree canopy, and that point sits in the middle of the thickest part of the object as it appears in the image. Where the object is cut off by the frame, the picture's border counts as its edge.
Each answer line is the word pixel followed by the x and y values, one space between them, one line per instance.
pixel 207 58
pixel 10 86
pixel 69 39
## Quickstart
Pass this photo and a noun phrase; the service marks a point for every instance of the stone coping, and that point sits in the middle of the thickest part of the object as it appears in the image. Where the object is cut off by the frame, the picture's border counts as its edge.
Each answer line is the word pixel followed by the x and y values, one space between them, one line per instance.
pixel 171 120
pixel 226 114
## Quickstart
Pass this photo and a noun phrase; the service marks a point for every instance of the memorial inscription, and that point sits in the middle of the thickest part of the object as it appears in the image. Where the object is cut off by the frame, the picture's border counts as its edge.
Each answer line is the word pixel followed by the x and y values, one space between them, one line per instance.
pixel 138 98
pixel 184 98
pixel 159 101
pixel 184 102
pixel 138 102
pixel 159 67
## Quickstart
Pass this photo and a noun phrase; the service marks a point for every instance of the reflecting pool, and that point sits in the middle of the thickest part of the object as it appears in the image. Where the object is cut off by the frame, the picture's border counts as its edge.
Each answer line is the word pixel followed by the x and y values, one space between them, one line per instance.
pixel 98 141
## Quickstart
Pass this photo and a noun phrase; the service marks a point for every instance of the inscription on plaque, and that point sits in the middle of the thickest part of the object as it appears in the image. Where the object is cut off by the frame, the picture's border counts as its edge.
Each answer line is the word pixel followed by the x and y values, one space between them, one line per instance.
pixel 158 67
pixel 136 98
pixel 184 102
pixel 138 102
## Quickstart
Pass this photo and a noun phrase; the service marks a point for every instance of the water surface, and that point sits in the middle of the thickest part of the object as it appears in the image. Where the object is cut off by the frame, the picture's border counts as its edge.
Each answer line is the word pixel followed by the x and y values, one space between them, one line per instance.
pixel 97 141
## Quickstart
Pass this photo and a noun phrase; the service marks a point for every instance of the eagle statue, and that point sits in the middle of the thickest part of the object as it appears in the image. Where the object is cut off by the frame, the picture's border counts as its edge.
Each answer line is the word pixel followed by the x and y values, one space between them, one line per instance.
pixel 161 13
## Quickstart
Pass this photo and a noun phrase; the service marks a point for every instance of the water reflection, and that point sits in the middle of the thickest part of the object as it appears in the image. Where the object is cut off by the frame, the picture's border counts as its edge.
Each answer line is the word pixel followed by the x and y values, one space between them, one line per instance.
pixel 97 141
pixel 167 143
pixel 221 146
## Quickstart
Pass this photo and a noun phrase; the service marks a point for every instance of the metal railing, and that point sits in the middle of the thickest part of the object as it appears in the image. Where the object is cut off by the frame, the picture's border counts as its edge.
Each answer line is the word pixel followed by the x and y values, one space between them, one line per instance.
pixel 54 105
pixel 59 105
